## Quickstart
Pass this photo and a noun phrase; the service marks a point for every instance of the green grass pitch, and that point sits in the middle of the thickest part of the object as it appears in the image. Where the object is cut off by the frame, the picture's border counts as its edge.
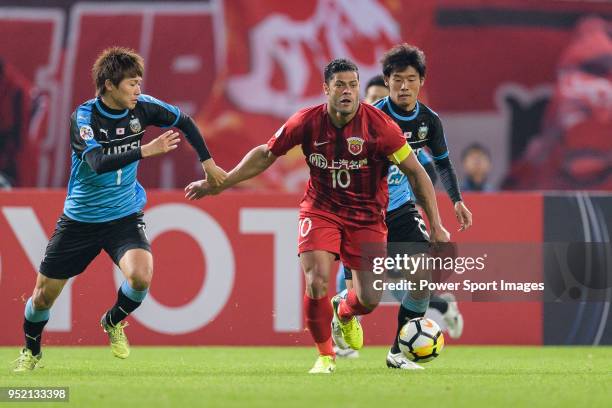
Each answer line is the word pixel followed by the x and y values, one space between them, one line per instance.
pixel 268 377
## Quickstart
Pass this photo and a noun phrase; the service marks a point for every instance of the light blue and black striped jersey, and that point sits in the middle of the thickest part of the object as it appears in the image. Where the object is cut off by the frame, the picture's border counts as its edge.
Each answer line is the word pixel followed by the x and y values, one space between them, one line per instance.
pixel 108 196
pixel 400 191
pixel 422 128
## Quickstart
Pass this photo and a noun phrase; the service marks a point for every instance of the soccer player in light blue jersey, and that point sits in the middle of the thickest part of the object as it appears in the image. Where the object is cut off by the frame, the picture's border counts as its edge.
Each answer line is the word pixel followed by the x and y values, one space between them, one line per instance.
pixel 104 202
pixel 404 74
pixel 404 71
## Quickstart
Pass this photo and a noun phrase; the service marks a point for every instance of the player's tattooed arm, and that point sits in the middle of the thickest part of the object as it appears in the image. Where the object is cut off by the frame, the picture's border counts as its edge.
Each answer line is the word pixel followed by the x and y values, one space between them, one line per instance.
pixel 425 193
pixel 255 162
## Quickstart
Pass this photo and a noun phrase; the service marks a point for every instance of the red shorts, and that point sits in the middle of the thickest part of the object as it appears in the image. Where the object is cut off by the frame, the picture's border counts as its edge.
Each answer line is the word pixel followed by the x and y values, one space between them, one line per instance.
pixel 354 245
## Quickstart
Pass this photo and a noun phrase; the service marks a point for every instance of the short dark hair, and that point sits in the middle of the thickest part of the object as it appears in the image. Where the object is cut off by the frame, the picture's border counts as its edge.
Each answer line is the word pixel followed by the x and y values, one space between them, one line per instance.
pixel 475 147
pixel 116 64
pixel 377 80
pixel 401 57
pixel 339 65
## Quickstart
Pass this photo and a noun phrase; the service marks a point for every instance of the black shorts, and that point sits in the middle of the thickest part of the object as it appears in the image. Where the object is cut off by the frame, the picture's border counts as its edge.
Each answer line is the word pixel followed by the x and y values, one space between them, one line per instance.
pixel 75 244
pixel 407 233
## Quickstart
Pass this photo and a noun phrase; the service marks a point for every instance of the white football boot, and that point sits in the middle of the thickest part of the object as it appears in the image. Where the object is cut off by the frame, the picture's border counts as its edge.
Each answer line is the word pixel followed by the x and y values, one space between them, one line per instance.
pixel 346 353
pixel 400 361
pixel 452 317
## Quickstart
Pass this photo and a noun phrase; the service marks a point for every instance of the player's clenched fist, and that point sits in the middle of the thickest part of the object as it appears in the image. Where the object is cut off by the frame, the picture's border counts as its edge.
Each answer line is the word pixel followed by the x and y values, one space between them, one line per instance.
pixel 165 143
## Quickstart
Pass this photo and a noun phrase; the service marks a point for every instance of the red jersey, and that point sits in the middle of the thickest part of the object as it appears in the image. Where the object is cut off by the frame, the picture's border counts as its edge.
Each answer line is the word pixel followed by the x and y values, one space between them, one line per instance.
pixel 348 166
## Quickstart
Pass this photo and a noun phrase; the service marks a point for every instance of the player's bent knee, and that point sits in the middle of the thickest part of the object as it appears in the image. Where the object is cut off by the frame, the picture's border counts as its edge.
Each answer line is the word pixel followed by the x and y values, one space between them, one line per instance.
pixel 42 300
pixel 140 281
pixel 316 285
pixel 140 278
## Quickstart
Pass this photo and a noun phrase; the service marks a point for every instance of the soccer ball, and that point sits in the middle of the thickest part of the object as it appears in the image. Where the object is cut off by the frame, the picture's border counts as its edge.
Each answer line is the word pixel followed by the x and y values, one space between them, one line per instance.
pixel 421 340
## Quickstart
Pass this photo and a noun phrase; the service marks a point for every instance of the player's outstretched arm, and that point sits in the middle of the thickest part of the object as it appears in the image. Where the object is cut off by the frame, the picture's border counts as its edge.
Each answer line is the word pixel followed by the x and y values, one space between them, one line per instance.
pixel 425 193
pixel 215 175
pixel 162 144
pixel 254 163
pixel 102 163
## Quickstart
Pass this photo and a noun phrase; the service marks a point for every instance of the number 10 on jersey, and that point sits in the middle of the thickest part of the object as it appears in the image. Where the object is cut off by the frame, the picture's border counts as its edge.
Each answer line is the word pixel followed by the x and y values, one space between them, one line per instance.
pixel 340 178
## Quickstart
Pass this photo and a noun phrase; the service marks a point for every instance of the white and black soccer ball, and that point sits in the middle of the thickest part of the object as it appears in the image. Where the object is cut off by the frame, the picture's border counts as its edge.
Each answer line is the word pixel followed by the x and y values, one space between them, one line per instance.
pixel 421 340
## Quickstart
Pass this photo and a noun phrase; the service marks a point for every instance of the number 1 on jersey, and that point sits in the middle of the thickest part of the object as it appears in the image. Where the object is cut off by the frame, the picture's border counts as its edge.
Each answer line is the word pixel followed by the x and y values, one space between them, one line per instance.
pixel 119 176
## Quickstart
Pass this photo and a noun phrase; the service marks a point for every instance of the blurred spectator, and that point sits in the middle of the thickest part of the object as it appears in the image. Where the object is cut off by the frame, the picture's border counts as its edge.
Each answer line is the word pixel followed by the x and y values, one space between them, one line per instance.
pixel 375 89
pixel 574 147
pixel 4 183
pixel 15 107
pixel 476 161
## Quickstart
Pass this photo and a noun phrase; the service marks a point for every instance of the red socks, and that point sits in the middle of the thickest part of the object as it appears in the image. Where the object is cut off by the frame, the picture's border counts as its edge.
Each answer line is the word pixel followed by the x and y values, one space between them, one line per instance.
pixel 319 315
pixel 350 307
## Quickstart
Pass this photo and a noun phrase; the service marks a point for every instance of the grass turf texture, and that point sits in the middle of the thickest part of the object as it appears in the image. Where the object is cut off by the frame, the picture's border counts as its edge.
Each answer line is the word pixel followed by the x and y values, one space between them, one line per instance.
pixel 264 377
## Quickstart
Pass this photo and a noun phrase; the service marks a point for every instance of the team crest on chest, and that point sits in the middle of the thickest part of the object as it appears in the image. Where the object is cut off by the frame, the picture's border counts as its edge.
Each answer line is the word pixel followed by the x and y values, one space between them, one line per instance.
pixel 135 125
pixel 355 145
pixel 422 133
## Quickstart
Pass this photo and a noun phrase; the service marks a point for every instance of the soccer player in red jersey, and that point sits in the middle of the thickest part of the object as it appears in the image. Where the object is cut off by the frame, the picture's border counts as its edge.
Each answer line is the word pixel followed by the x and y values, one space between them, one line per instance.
pixel 348 147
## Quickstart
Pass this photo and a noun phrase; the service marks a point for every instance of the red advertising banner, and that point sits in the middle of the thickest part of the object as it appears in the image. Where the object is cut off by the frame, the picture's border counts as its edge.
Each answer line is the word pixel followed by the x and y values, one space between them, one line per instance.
pixel 524 79
pixel 226 272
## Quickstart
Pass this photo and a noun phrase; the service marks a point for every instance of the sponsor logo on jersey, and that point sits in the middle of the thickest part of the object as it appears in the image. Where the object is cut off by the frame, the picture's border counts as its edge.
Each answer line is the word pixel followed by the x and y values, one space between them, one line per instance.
pixel 105 132
pixel 135 125
pixel 355 145
pixel 120 131
pixel 318 160
pixel 344 164
pixel 86 133
pixel 122 148
pixel 422 134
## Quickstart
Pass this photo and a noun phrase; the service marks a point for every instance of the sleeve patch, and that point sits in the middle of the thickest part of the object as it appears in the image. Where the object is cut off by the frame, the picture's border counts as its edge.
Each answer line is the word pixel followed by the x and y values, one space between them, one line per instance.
pixel 86 133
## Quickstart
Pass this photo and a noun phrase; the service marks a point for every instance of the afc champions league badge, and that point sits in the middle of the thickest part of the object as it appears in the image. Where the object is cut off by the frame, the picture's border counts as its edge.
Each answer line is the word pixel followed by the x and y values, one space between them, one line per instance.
pixel 135 125
pixel 355 145
pixel 86 133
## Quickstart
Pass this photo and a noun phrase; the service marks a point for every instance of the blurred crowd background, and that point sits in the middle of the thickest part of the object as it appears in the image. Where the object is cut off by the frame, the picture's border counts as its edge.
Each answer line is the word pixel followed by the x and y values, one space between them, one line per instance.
pixel 524 88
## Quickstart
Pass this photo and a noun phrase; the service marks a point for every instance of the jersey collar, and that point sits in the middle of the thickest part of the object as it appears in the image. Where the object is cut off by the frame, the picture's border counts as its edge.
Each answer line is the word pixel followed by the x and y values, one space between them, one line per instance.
pixel 108 112
pixel 412 116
